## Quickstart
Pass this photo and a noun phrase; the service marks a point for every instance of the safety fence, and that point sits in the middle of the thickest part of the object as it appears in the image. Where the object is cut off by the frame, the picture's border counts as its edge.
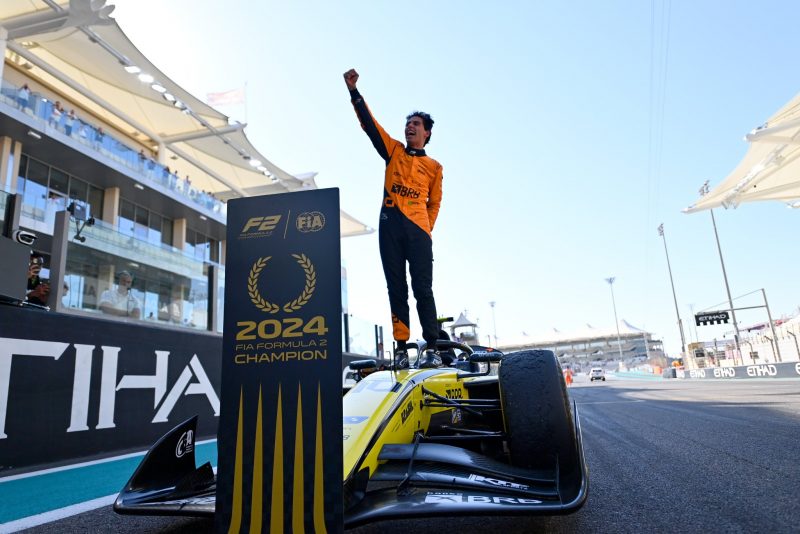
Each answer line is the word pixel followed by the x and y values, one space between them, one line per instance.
pixel 763 370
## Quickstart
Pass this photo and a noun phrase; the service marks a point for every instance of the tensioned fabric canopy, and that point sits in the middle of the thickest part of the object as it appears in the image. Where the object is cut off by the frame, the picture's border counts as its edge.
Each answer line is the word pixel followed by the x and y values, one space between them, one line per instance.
pixel 769 171
pixel 78 50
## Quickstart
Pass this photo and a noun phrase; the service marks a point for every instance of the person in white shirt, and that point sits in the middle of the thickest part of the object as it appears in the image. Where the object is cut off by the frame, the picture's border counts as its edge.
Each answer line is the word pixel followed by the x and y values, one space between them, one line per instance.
pixel 120 301
pixel 23 95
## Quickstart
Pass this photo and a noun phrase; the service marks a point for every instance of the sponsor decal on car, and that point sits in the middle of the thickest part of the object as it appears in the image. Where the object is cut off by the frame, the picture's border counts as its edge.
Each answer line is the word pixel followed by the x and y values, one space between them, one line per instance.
pixel 354 419
pixel 212 499
pixel 185 444
pixel 449 498
pixel 497 482
pixel 456 417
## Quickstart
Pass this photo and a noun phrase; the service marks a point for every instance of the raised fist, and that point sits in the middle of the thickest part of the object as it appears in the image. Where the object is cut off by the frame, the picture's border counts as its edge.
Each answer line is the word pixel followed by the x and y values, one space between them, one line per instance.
pixel 350 78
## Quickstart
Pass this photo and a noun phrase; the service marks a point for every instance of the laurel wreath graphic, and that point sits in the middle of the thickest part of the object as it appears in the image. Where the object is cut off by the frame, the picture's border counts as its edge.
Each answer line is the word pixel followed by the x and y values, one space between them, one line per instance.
pixel 263 304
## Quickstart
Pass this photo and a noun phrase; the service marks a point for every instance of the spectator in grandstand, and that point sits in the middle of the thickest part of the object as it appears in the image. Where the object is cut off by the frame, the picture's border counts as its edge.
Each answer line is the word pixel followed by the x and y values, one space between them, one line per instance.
pixel 142 159
pixel 23 95
pixel 121 301
pixel 70 122
pixel 55 114
pixel 151 166
pixel 99 135
pixel 165 175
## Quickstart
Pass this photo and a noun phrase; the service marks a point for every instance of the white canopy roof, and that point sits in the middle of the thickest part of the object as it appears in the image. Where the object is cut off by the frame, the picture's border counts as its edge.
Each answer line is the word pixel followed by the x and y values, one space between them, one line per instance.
pixel 77 49
pixel 769 171
pixel 462 321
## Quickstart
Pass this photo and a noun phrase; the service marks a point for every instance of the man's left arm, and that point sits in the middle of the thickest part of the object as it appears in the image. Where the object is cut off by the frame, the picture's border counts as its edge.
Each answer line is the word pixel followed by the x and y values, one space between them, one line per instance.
pixel 435 197
pixel 135 310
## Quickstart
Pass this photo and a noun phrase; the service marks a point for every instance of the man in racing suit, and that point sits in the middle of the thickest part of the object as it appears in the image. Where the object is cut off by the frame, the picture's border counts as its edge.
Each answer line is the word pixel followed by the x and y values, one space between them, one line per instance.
pixel 411 198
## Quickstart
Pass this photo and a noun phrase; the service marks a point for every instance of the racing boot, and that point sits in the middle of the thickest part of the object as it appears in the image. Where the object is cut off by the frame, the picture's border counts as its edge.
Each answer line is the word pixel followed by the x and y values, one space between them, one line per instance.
pixel 430 360
pixel 400 359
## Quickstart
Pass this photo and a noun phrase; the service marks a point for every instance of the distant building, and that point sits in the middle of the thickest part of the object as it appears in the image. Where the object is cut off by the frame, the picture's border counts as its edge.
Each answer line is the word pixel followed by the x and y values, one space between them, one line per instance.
pixel 592 344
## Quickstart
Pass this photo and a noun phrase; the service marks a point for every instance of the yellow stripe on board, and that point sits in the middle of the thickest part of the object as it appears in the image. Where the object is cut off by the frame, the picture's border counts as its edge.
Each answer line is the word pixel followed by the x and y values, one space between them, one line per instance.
pixel 298 495
pixel 236 512
pixel 319 494
pixel 276 510
pixel 257 502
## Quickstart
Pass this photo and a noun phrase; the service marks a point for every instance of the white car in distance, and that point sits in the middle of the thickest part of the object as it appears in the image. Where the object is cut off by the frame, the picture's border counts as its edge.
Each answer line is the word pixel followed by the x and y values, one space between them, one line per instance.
pixel 597 373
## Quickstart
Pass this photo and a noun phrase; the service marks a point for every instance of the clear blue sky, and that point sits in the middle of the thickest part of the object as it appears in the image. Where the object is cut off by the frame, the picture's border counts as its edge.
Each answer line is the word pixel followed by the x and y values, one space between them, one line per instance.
pixel 567 130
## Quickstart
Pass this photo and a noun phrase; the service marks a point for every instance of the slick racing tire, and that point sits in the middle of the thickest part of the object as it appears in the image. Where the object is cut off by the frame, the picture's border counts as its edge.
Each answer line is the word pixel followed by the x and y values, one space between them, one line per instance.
pixel 537 414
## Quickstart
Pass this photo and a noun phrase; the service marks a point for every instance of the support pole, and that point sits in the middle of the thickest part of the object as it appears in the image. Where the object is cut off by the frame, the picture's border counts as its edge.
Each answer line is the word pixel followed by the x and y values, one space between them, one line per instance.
pixel 772 327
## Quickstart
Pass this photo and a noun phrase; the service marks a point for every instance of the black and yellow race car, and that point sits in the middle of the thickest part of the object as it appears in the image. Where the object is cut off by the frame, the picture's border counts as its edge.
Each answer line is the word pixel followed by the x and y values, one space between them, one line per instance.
pixel 480 432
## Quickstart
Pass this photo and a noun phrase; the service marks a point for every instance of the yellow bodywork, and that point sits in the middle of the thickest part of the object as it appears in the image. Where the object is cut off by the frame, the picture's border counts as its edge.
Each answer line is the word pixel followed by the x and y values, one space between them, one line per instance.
pixel 387 407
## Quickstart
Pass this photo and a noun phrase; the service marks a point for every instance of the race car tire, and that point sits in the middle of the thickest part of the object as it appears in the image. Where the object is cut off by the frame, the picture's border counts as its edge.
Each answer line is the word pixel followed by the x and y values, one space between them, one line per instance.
pixel 537 414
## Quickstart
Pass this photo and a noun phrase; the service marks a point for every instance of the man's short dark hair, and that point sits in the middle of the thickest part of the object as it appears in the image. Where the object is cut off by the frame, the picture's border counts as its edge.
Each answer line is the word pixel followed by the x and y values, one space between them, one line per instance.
pixel 427 121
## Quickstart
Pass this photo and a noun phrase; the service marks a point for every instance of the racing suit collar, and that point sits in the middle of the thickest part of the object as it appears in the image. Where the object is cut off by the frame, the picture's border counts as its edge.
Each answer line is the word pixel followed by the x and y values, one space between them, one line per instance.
pixel 415 151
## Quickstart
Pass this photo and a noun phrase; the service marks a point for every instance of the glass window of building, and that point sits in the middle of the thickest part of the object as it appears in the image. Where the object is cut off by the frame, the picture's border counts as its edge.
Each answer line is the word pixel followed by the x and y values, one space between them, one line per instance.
pixel 78 189
pixel 200 246
pixel 144 224
pixel 166 231
pixel 59 182
pixel 34 190
pixel 95 199
pixel 127 212
pixel 140 227
pixel 154 233
pixel 46 190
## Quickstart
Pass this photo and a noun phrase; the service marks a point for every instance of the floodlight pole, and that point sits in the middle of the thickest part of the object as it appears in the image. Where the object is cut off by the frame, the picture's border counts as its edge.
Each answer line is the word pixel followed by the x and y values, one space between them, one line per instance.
pixel 691 312
pixel 703 192
pixel 772 326
pixel 796 346
pixel 616 321
pixel 494 323
pixel 674 298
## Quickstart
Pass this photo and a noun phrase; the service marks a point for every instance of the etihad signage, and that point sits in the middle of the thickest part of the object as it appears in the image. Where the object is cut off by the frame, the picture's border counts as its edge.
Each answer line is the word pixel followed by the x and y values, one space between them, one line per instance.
pixel 76 387
pixel 280 435
pixel 761 370
pixel 715 317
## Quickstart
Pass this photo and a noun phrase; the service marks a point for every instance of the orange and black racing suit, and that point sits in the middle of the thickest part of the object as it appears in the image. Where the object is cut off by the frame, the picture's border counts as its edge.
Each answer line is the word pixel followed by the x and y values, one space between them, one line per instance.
pixel 412 193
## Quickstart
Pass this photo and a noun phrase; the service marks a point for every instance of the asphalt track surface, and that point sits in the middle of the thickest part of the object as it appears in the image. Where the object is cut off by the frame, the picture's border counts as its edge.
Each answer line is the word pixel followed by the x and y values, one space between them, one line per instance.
pixel 663 456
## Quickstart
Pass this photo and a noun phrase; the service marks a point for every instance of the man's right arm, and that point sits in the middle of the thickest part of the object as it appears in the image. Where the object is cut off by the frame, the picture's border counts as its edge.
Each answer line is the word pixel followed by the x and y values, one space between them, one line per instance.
pixel 382 142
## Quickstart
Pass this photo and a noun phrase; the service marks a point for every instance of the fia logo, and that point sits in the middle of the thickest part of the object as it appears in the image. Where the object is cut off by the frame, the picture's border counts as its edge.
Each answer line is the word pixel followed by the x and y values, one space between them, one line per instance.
pixel 311 221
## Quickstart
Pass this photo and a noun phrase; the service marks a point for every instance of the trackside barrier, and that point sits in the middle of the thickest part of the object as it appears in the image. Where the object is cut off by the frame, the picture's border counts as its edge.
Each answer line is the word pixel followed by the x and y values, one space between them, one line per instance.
pixel 639 375
pixel 762 370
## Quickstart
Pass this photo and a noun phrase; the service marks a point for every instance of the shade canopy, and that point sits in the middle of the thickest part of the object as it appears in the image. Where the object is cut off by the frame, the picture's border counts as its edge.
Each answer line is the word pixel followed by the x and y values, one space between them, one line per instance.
pixel 769 171
pixel 76 48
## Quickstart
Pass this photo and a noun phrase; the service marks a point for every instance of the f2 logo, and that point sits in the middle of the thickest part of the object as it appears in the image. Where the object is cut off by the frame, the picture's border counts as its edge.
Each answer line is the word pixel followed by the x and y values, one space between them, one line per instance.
pixel 262 224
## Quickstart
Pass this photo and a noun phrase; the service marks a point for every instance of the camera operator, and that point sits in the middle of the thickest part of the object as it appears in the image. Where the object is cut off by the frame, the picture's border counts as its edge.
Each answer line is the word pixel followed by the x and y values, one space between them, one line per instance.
pixel 121 301
pixel 38 288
